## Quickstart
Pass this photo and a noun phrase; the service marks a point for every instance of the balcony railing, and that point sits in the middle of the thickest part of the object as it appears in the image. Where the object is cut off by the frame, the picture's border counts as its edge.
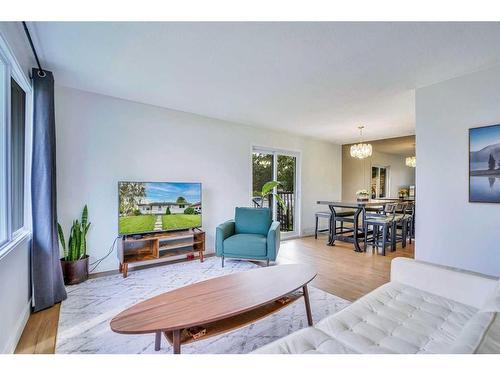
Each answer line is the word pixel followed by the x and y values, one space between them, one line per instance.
pixel 284 215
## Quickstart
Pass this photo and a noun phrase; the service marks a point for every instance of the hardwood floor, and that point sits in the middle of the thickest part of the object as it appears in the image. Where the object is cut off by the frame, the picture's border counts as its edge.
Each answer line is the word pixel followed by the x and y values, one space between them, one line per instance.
pixel 341 271
pixel 39 335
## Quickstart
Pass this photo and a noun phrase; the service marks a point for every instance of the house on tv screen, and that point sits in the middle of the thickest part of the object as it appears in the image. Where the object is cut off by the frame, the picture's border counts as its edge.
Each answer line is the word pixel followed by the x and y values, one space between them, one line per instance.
pixel 163 208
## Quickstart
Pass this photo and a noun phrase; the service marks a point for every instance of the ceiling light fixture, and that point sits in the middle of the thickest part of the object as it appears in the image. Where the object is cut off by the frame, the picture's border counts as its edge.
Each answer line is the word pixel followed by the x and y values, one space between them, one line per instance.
pixel 411 161
pixel 361 150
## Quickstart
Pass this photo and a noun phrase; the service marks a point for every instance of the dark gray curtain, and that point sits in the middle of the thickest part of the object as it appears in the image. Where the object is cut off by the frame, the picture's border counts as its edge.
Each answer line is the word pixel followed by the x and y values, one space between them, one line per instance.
pixel 48 284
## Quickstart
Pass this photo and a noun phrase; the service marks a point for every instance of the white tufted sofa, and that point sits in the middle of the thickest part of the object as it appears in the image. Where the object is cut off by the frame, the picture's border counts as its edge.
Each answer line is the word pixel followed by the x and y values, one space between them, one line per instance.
pixel 425 308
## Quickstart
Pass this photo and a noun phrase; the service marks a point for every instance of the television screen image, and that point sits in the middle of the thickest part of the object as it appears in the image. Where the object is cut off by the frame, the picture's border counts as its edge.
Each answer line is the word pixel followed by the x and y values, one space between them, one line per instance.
pixel 146 207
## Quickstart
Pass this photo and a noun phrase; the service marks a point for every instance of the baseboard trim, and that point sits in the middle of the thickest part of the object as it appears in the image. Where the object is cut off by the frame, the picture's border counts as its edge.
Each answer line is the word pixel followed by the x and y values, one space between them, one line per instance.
pixel 11 345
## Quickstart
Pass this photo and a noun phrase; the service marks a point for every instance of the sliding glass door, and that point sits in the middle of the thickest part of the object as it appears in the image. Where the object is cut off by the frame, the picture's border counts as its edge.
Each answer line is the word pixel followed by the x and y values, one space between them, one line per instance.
pixel 282 166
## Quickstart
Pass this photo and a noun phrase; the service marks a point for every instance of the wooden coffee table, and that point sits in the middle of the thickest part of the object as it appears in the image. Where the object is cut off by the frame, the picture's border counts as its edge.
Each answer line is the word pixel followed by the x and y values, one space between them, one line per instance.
pixel 217 305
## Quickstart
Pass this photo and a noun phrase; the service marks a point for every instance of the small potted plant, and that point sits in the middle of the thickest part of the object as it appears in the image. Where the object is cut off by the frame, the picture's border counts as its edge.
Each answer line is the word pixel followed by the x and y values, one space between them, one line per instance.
pixel 403 193
pixel 362 195
pixel 75 263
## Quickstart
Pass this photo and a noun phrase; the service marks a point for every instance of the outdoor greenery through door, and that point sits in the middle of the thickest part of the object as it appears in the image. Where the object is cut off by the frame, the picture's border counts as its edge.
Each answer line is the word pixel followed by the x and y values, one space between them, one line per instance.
pixel 268 166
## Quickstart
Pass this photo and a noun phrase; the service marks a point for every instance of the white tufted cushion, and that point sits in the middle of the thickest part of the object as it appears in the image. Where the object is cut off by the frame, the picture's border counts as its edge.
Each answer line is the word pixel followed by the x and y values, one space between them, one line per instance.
pixel 306 341
pixel 397 318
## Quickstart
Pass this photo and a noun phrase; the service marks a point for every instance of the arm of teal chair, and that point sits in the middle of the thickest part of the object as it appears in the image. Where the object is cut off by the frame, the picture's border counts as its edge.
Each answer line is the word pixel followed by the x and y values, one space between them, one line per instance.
pixel 273 240
pixel 222 232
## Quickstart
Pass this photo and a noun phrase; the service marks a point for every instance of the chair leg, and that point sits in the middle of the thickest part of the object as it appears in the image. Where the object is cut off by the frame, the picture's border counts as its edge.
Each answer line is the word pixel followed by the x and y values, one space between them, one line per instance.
pixel 404 226
pixel 223 261
pixel 316 229
pixel 384 239
pixel 393 236
pixel 375 239
pixel 268 262
pixel 365 242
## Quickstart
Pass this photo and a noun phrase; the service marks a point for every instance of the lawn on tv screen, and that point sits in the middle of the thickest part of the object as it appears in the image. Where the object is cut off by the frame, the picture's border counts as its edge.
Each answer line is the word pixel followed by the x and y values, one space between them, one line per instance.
pixel 158 206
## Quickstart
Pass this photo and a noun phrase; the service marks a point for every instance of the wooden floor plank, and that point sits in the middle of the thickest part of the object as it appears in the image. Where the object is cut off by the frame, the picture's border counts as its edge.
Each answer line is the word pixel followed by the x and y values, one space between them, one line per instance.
pixel 39 335
pixel 341 272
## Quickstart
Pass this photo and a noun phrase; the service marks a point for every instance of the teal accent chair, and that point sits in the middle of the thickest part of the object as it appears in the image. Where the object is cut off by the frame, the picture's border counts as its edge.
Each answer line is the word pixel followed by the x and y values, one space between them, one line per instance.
pixel 251 235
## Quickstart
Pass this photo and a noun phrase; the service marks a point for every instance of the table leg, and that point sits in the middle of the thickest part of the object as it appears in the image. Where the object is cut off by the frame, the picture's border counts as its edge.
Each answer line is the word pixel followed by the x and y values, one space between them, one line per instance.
pixel 157 341
pixel 308 305
pixel 177 341
pixel 333 227
pixel 355 234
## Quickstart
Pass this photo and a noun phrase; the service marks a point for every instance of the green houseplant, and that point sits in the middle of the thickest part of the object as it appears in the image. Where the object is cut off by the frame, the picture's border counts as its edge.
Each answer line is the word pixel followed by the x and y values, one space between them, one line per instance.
pixel 75 263
pixel 268 191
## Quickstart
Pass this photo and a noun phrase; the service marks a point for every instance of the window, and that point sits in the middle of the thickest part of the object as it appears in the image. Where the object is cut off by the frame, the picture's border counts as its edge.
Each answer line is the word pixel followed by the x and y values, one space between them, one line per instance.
pixel 17 152
pixel 380 182
pixel 15 105
pixel 3 152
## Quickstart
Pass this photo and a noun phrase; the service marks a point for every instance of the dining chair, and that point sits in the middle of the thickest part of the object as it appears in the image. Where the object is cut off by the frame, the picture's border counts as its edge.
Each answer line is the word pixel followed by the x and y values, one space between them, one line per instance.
pixel 319 215
pixel 383 228
pixel 400 222
pixel 410 221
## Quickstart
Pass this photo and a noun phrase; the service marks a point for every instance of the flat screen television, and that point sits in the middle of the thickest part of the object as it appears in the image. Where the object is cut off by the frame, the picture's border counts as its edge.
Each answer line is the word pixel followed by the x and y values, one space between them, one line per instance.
pixel 147 207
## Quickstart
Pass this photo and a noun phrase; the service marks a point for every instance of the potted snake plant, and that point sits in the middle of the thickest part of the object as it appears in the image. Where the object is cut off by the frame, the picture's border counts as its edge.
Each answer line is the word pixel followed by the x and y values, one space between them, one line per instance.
pixel 75 263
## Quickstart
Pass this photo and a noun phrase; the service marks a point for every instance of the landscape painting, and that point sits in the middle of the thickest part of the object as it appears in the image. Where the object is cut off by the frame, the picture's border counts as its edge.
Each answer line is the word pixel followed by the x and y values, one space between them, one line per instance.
pixel 484 164
pixel 158 206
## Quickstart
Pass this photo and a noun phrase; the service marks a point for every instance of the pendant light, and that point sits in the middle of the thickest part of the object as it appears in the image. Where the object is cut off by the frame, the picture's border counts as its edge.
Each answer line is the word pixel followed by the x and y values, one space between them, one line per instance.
pixel 361 150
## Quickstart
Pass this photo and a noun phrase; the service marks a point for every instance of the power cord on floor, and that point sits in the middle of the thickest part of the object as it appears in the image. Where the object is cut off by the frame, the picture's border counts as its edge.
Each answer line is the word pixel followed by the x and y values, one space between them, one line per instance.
pixel 98 261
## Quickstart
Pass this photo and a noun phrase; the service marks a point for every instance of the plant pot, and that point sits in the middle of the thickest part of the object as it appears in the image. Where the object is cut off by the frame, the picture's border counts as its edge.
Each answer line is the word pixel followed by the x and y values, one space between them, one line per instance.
pixel 75 272
pixel 363 199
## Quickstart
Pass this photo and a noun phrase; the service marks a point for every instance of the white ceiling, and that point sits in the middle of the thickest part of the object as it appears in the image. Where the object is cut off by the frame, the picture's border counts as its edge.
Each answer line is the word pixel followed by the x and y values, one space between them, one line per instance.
pixel 317 79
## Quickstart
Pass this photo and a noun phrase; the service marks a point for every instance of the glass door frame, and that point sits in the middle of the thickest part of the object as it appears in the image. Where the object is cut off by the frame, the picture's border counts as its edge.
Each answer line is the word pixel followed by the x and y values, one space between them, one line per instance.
pixel 387 179
pixel 297 193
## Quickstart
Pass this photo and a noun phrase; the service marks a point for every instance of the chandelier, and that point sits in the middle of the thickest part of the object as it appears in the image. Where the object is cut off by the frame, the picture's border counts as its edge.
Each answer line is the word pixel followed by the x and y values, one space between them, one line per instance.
pixel 411 161
pixel 361 150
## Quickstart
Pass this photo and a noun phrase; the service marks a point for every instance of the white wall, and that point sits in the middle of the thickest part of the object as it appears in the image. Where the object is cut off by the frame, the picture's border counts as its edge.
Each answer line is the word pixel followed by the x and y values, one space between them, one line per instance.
pixel 450 230
pixel 15 295
pixel 101 140
pixel 15 287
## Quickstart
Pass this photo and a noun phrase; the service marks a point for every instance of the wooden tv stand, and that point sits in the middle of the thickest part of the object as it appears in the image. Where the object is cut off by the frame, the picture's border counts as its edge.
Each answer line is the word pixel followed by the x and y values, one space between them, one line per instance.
pixel 159 247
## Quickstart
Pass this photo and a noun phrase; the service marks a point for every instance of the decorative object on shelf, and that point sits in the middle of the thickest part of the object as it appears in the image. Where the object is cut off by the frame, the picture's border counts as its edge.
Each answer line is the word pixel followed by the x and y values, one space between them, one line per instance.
pixel 284 300
pixel 484 164
pixel 362 195
pixel 361 150
pixel 403 193
pixel 196 332
pixel 75 264
pixel 411 161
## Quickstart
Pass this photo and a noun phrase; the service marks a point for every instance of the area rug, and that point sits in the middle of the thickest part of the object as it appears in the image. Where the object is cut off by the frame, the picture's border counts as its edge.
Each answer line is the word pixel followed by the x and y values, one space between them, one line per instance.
pixel 85 315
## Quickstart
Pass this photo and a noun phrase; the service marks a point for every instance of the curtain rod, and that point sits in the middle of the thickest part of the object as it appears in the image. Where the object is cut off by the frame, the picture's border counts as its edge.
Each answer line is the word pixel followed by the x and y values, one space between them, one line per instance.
pixel 41 72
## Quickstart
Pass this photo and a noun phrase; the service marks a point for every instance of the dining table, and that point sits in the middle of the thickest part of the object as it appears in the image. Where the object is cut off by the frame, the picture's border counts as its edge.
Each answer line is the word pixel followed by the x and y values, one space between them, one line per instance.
pixel 358 233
